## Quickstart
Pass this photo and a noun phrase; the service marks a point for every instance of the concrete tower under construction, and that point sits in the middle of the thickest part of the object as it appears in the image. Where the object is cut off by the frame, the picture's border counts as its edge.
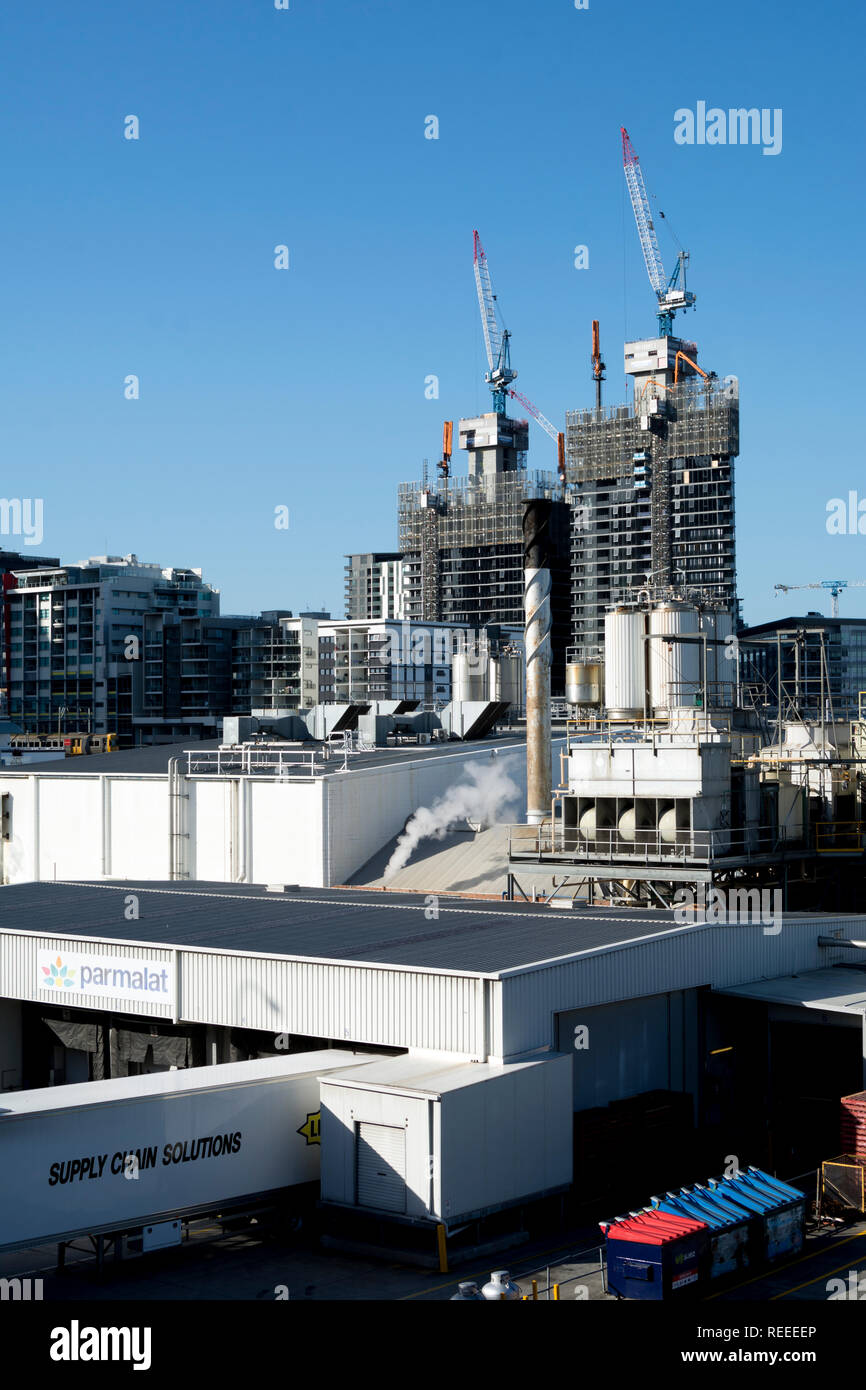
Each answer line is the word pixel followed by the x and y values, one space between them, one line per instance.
pixel 652 487
pixel 462 537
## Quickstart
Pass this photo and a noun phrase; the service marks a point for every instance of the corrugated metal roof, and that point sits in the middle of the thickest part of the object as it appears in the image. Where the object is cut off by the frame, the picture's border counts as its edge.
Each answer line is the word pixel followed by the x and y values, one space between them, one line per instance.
pixel 153 759
pixel 323 924
pixel 835 990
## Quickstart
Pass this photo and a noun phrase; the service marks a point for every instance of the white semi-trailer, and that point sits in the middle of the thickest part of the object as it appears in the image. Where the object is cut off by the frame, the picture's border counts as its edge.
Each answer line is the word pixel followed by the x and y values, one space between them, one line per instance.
pixel 135 1157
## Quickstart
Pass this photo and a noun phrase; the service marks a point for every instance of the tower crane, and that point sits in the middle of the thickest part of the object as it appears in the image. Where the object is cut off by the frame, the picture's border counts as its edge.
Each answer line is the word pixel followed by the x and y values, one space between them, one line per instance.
pixel 671 293
pixel 834 585
pixel 497 343
pixel 497 340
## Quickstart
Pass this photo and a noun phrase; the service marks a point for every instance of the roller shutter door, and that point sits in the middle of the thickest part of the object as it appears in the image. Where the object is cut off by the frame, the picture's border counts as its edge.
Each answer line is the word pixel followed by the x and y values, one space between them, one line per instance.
pixel 381 1167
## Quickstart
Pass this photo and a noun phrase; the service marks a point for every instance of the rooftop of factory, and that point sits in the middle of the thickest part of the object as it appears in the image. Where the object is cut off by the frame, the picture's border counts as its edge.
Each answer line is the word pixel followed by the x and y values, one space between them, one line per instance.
pixel 339 925
pixel 152 760
pixel 382 928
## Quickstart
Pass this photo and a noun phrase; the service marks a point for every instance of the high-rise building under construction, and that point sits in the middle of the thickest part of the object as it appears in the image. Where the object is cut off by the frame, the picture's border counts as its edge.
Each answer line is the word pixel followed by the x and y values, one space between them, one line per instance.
pixel 461 538
pixel 652 487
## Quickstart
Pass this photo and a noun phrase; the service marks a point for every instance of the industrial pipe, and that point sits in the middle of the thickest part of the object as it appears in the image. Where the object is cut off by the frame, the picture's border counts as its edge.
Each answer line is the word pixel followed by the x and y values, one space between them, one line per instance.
pixel 536 608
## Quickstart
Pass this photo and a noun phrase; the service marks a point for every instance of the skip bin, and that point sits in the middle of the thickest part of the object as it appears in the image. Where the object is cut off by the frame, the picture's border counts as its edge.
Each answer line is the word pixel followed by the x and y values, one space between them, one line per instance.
pixel 729 1226
pixel 778 1210
pixel 655 1255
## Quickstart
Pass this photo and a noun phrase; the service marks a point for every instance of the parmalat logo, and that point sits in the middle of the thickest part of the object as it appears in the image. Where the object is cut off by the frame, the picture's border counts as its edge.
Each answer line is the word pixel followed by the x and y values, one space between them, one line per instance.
pixel 118 977
pixel 58 975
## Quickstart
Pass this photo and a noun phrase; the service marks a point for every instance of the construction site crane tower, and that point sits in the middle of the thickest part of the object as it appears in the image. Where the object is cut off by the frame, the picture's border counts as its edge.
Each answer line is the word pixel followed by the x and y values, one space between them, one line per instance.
pixel 671 293
pixel 834 585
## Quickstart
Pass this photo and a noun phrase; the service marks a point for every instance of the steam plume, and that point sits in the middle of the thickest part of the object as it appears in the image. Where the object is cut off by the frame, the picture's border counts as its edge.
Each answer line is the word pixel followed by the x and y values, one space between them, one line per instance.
pixel 486 796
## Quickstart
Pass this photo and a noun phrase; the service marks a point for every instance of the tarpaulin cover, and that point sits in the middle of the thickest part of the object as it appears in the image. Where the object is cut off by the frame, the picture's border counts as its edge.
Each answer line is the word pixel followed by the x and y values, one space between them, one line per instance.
pixel 82 1037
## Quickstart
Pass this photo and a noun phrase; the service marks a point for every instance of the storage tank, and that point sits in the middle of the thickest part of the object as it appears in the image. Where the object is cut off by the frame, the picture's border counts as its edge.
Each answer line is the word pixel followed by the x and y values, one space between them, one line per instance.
pixel 674 667
pixel 720 665
pixel 502 1286
pixel 584 683
pixel 624 663
pixel 506 678
pixel 470 676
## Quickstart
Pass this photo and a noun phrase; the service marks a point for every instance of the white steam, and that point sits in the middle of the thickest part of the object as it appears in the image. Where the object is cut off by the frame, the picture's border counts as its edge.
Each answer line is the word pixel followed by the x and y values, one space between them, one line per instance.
pixel 486 797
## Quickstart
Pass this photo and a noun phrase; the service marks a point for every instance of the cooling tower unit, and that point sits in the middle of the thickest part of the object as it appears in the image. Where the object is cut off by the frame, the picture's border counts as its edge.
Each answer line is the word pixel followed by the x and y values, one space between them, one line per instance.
pixel 624 663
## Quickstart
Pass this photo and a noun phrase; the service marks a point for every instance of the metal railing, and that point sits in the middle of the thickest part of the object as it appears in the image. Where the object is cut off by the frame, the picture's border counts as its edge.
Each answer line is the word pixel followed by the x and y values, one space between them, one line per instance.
pixel 251 760
pixel 656 733
pixel 277 760
pixel 840 837
pixel 563 842
pixel 542 1287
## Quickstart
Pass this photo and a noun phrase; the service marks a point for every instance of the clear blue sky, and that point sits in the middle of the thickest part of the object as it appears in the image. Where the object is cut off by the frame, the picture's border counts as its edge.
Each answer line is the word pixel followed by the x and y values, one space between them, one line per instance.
pixel 306 387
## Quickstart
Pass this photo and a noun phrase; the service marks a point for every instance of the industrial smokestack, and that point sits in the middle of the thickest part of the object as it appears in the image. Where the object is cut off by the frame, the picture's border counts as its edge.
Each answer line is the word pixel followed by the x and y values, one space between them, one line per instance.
pixel 536 608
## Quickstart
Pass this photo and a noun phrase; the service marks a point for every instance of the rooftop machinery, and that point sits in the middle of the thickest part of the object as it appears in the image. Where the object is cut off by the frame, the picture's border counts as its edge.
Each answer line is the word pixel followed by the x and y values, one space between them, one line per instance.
pixel 669 783
pixel 497 342
pixel 671 292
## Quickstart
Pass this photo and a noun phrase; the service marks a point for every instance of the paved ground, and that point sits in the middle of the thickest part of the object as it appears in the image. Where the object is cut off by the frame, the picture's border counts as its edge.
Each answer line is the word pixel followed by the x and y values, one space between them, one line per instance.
pixel 250 1267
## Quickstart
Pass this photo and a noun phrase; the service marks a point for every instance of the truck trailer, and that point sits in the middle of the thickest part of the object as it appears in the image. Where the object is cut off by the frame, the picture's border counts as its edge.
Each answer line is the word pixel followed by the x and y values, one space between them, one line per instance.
pixel 135 1157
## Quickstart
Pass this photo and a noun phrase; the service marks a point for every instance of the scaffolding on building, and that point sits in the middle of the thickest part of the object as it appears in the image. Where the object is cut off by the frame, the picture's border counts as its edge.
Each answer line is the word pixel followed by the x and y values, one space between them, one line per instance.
pixel 695 418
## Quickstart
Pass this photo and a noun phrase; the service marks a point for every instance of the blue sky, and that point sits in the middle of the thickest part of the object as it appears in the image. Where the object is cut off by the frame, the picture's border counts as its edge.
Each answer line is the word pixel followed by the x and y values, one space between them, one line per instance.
pixel 305 388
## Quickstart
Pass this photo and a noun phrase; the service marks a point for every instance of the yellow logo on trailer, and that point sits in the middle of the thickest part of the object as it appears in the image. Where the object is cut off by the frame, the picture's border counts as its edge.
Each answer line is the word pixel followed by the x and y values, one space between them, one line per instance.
pixel 310 1129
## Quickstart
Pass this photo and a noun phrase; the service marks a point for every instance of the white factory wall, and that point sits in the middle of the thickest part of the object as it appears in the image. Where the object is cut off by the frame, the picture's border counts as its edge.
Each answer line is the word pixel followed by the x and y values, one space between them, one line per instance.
pixel 315 831
pixel 367 809
pixel 634 1046
pixel 686 958
pixel 135 828
pixel 390 1007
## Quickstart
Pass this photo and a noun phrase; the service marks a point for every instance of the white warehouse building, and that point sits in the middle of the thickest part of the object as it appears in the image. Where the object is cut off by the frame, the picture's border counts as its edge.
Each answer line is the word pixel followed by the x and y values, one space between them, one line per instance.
pixel 500 1028
pixel 302 815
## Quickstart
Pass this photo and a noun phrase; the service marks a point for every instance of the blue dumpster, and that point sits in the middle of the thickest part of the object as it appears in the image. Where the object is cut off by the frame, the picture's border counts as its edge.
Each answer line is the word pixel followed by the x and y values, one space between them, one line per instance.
pixel 778 1210
pixel 729 1226
pixel 655 1254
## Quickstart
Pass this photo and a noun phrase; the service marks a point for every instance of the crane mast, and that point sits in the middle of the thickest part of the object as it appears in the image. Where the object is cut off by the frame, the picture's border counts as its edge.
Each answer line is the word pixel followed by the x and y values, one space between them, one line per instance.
pixel 496 339
pixel 671 293
pixel 497 346
pixel 834 585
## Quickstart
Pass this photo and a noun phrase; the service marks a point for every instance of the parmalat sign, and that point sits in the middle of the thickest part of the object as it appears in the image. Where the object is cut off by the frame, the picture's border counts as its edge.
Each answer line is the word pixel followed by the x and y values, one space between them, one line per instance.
pixel 67 973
